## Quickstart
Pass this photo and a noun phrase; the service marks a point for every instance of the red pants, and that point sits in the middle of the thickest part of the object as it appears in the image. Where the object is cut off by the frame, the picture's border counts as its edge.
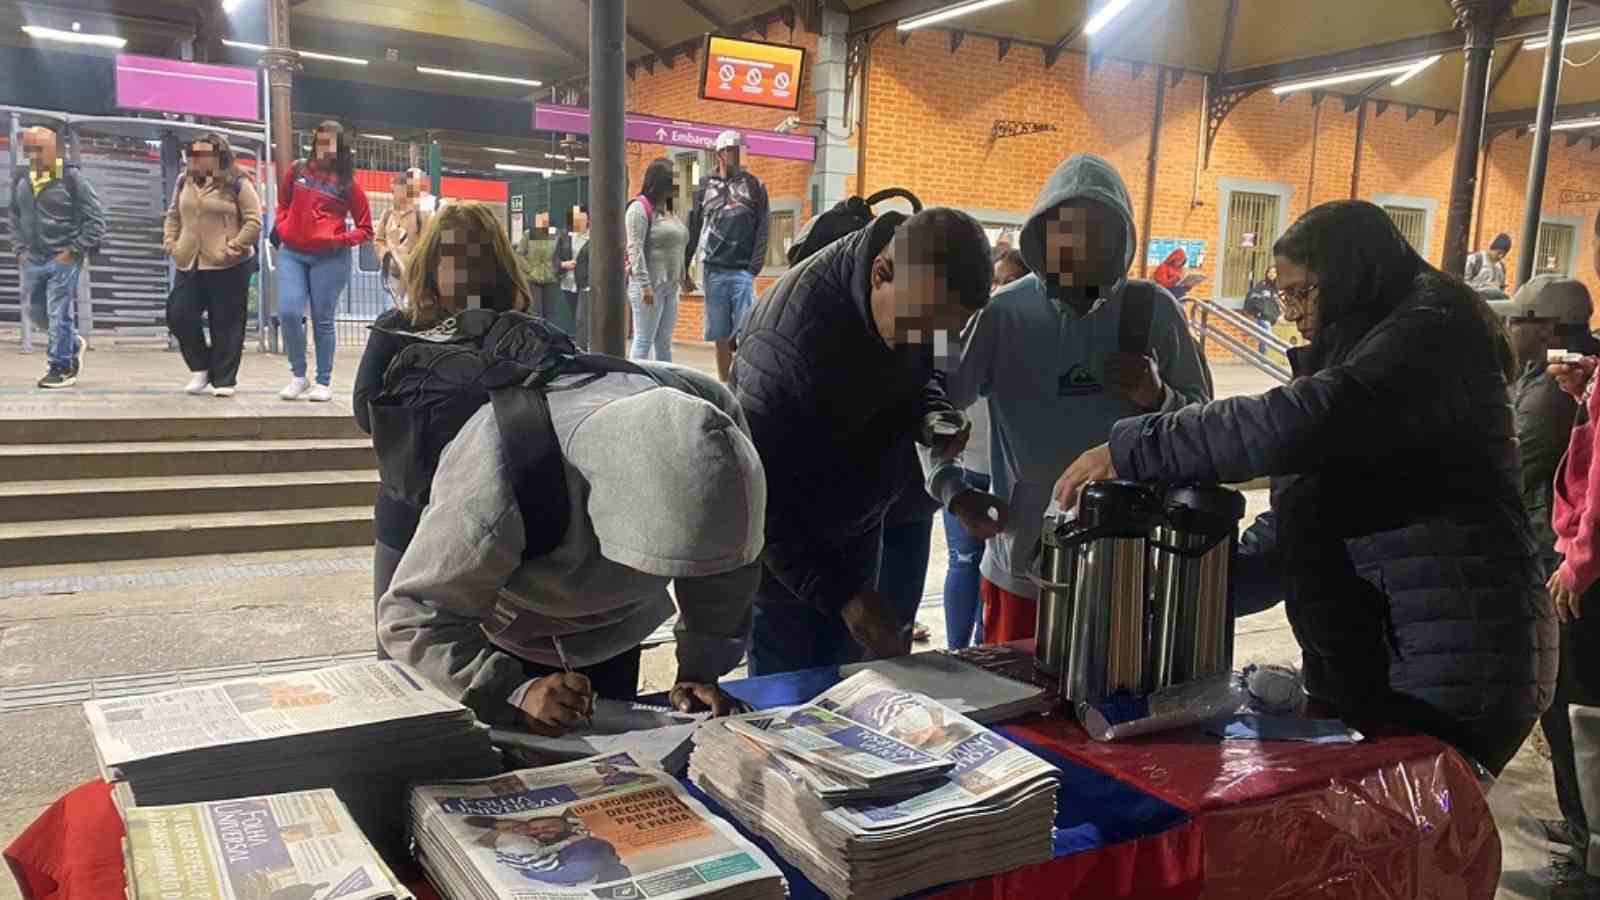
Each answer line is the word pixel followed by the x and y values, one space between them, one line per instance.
pixel 1006 616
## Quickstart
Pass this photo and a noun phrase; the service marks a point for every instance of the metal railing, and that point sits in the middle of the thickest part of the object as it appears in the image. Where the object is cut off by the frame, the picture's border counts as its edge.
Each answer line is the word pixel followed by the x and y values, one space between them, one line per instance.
pixel 1206 318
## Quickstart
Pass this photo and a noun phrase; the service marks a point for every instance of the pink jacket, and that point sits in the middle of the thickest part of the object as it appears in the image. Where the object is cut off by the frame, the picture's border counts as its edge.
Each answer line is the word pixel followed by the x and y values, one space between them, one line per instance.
pixel 1576 520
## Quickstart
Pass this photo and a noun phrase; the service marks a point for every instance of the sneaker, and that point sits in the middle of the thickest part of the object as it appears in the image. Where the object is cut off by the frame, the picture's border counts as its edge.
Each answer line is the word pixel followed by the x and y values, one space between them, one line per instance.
pixel 199 383
pixel 222 392
pixel 295 389
pixel 320 393
pixel 80 346
pixel 58 378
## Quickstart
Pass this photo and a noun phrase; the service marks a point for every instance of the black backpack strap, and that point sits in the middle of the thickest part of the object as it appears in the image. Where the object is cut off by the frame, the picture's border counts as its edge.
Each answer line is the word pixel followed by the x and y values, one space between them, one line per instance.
pixel 1138 309
pixel 533 457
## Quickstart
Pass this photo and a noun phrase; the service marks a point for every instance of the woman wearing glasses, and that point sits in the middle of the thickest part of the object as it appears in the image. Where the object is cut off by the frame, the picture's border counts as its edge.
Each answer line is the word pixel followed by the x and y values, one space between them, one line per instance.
pixel 1407 561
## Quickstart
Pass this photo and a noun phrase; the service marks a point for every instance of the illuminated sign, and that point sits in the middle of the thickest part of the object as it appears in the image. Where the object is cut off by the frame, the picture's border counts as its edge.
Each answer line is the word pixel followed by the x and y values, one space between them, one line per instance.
pixel 751 72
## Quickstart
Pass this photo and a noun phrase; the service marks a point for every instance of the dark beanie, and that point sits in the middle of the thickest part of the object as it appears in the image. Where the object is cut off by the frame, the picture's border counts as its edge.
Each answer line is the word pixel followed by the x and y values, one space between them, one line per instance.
pixel 1501 241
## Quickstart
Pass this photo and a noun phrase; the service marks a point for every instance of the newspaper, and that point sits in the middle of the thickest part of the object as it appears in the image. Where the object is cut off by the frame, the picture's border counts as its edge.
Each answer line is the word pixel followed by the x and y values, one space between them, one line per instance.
pixel 129 729
pixel 295 846
pixel 656 737
pixel 822 738
pixel 599 827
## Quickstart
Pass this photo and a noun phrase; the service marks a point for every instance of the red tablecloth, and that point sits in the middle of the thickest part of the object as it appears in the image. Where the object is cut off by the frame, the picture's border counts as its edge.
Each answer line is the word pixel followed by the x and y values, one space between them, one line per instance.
pixel 1394 817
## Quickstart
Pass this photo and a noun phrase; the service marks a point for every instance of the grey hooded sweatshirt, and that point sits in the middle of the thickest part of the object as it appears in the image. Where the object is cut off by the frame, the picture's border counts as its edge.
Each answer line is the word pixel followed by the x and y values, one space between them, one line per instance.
pixel 664 486
pixel 1039 366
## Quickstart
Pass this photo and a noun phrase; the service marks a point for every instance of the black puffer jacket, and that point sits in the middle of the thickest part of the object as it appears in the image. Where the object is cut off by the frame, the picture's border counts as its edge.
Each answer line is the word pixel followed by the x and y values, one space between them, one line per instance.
pixel 832 410
pixel 1413 585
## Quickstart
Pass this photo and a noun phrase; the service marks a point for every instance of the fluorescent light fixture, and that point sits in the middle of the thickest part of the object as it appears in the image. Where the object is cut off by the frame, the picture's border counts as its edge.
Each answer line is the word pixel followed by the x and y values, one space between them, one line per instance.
pixel 308 54
pixel 564 159
pixel 478 76
pixel 1101 19
pixel 1574 124
pixel 1344 78
pixel 1579 37
pixel 231 6
pixel 1411 72
pixel 41 33
pixel 501 150
pixel 153 143
pixel 948 12
pixel 513 167
pixel 376 137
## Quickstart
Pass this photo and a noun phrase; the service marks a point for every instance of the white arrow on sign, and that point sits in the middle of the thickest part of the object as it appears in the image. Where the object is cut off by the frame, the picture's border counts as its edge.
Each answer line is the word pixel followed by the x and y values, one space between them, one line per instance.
pixel 661 133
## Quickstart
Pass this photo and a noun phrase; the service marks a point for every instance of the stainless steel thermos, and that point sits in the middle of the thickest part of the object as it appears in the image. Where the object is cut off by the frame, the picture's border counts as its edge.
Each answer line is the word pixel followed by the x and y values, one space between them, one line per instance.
pixel 1133 593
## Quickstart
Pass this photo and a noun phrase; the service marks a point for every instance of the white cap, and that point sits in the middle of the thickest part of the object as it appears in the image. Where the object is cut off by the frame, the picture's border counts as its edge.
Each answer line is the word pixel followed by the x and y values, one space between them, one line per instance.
pixel 729 138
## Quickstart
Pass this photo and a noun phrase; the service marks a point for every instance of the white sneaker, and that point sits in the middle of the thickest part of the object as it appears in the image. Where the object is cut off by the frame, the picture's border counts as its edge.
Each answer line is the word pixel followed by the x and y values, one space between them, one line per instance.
pixel 222 392
pixel 320 393
pixel 295 389
pixel 199 384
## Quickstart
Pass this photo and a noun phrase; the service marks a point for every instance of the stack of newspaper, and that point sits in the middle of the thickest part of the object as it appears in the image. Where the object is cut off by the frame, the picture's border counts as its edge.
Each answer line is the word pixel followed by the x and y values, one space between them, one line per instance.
pixel 297 846
pixel 983 696
pixel 598 827
pixel 993 811
pixel 368 730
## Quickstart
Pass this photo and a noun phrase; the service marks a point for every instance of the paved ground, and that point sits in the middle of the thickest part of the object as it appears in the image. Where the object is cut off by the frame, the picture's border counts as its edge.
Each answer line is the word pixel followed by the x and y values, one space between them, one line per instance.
pixel 71 623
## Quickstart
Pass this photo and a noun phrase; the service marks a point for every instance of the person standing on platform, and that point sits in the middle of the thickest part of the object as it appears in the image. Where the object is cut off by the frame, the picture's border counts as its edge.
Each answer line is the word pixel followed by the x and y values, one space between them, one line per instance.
pixel 1059 357
pixel 316 200
pixel 401 225
pixel 1412 580
pixel 57 222
pixel 539 255
pixel 572 259
pixel 729 228
pixel 1486 269
pixel 210 232
pixel 656 239
pixel 837 376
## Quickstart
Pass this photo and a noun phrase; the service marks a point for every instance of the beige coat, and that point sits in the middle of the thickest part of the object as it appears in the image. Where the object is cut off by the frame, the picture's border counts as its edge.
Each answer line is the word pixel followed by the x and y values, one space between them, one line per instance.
pixel 204 221
pixel 397 231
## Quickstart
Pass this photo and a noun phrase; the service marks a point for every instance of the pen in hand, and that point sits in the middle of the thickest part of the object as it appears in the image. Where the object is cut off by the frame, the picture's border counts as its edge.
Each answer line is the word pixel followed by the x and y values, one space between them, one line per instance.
pixel 561 652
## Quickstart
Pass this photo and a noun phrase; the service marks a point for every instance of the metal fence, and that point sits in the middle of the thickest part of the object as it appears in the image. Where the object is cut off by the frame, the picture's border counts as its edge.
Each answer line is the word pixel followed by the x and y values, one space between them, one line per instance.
pixel 1216 325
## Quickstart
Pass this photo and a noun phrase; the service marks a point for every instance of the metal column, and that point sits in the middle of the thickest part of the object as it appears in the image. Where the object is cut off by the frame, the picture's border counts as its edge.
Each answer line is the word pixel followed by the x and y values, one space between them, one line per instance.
pixel 608 175
pixel 1361 140
pixel 1479 18
pixel 281 62
pixel 1151 163
pixel 23 304
pixel 1533 203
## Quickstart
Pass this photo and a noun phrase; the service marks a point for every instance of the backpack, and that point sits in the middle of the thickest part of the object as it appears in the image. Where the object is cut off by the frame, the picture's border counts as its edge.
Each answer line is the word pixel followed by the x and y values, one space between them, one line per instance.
pixel 443 376
pixel 846 217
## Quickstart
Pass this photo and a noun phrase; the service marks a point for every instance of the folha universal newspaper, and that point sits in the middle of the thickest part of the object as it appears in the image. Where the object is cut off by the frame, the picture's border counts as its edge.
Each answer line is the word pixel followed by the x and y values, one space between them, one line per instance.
pixel 601 827
pixel 298 846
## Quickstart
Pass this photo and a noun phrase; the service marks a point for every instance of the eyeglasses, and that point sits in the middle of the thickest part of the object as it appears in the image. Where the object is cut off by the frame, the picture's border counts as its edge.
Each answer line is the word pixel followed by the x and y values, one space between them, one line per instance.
pixel 1295 299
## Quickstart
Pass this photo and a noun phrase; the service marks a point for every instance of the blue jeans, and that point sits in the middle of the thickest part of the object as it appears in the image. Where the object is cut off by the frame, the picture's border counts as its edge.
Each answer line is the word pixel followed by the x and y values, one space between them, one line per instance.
pixel 963 619
pixel 52 288
pixel 317 281
pixel 729 293
pixel 653 322
pixel 903 568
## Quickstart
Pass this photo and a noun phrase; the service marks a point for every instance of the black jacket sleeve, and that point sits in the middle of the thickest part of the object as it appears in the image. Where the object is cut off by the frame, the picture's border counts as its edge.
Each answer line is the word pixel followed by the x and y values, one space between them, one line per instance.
pixel 375 359
pixel 1544 417
pixel 91 217
pixel 758 252
pixel 1257 581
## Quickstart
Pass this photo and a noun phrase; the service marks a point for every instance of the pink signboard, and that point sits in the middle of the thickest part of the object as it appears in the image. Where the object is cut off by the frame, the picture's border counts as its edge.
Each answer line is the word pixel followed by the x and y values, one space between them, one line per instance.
pixel 196 89
pixel 672 132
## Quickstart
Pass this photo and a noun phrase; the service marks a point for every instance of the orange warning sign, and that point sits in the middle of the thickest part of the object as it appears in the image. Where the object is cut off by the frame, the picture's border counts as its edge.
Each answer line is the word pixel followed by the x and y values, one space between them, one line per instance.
pixel 752 72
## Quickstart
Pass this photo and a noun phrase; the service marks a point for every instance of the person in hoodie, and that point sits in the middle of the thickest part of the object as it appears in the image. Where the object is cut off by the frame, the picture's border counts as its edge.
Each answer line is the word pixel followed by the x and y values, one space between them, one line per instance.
pixel 664 488
pixel 1047 356
pixel 729 226
pixel 1412 578
pixel 836 374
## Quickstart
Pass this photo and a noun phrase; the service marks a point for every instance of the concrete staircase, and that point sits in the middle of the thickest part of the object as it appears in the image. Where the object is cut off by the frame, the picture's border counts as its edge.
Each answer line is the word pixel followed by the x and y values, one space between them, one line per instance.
pixel 75 490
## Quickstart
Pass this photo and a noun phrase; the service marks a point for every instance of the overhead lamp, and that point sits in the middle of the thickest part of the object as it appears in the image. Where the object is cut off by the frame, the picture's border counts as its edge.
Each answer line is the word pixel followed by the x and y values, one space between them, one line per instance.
pixel 1573 124
pixel 1411 72
pixel 1581 37
pixel 500 150
pixel 1101 19
pixel 564 158
pixel 308 54
pixel 232 6
pixel 478 76
pixel 936 16
pixel 377 137
pixel 513 167
pixel 41 33
pixel 1344 78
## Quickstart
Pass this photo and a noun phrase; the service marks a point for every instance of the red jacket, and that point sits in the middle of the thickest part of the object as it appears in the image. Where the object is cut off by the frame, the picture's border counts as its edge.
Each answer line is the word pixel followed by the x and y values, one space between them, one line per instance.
pixel 1575 513
pixel 312 210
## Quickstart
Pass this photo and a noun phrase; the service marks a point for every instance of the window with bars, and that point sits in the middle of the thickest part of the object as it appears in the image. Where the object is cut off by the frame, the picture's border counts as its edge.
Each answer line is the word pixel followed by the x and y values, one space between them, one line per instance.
pixel 1413 225
pixel 1253 220
pixel 780 236
pixel 1553 256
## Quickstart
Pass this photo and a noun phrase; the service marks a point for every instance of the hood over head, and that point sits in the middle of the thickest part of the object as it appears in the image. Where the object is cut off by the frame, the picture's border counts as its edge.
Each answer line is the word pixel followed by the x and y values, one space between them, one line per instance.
pixel 1083 177
pixel 676 488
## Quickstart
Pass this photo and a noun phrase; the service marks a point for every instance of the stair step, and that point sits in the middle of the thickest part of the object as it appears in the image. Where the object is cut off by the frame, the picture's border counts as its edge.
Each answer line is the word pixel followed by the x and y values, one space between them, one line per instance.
pixel 58 541
pixel 98 429
pixel 51 462
pixel 93 498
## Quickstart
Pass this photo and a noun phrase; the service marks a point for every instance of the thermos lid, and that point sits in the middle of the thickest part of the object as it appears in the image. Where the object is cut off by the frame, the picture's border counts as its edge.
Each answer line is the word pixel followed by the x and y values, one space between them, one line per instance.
pixel 1115 506
pixel 1204 508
